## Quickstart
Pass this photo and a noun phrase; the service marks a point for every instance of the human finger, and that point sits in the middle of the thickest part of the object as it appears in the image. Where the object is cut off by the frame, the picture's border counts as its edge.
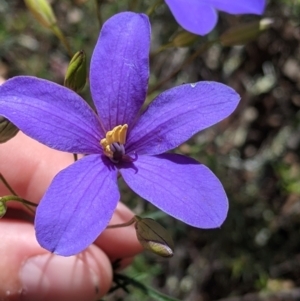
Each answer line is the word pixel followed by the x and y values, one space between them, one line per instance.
pixel 29 272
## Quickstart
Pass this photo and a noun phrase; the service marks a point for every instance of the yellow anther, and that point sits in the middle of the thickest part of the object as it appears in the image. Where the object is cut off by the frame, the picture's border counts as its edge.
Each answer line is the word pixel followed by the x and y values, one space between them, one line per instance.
pixel 109 137
pixel 118 132
pixel 104 143
pixel 108 152
pixel 116 135
pixel 122 133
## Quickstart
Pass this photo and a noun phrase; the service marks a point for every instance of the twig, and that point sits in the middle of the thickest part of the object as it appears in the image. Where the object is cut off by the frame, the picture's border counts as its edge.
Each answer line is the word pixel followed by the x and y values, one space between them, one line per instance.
pixel 7 185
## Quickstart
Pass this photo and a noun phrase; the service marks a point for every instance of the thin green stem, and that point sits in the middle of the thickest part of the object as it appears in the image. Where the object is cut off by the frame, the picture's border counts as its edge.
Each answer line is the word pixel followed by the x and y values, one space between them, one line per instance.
pixel 152 8
pixel 186 62
pixel 56 30
pixel 98 12
pixel 148 291
pixel 29 208
pixel 15 198
pixel 7 185
pixel 160 49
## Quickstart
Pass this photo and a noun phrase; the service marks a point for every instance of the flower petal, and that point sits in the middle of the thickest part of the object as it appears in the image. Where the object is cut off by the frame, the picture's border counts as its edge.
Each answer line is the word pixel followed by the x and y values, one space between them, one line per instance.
pixel 181 187
pixel 240 7
pixel 77 206
pixel 179 113
pixel 120 68
pixel 51 114
pixel 194 15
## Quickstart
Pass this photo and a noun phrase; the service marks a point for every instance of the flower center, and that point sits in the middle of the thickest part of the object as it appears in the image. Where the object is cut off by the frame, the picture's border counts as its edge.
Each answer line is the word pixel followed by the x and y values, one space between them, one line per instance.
pixel 113 143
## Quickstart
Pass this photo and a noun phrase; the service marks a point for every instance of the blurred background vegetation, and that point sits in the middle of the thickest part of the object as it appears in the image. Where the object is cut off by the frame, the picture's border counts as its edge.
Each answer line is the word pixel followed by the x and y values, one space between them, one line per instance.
pixel 255 152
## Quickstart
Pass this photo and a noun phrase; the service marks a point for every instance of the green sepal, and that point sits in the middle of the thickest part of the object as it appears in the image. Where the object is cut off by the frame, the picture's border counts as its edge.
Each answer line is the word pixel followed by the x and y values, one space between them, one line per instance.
pixel 7 130
pixel 76 74
pixel 244 33
pixel 154 237
pixel 42 11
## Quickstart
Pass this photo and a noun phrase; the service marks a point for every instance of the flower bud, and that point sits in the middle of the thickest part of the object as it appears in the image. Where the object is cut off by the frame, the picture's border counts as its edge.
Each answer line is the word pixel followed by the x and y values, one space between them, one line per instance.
pixel 75 78
pixel 244 33
pixel 154 237
pixel 184 39
pixel 3 208
pixel 42 11
pixel 7 130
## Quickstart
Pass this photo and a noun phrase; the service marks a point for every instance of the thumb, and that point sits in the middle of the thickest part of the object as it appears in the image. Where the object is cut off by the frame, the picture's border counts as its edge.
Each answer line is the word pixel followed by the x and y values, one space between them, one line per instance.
pixel 29 272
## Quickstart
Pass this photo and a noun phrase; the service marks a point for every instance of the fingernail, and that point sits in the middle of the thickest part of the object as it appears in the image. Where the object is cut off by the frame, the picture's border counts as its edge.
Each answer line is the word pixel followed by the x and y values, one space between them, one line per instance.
pixel 51 277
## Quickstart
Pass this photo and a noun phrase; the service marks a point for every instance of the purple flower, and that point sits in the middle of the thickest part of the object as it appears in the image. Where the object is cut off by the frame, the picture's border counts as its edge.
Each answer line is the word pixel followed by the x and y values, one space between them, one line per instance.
pixel 80 201
pixel 200 16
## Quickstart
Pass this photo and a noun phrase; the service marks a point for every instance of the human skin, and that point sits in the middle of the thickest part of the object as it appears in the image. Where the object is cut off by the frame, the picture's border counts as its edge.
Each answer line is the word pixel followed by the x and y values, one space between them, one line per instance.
pixel 29 272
